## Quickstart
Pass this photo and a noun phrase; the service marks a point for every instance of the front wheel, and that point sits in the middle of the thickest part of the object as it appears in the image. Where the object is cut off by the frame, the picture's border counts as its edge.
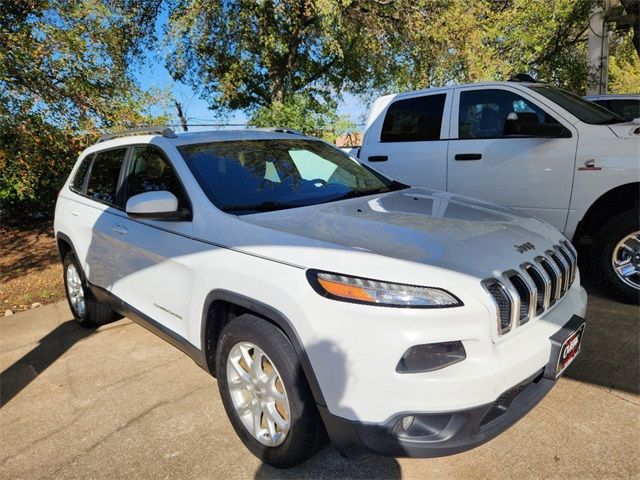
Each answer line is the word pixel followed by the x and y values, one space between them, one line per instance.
pixel 265 393
pixel 616 256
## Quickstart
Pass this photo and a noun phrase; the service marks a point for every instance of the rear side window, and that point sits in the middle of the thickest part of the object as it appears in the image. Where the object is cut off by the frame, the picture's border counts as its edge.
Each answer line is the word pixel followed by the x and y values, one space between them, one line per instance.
pixel 150 172
pixel 103 179
pixel 492 113
pixel 77 184
pixel 414 119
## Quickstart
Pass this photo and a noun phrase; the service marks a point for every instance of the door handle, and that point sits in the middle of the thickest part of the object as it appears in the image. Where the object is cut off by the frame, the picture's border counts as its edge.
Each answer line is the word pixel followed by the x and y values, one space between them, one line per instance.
pixel 468 156
pixel 74 212
pixel 119 229
pixel 378 158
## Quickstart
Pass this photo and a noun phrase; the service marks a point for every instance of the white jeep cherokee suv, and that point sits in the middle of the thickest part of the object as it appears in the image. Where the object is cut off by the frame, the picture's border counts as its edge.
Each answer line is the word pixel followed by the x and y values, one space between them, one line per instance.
pixel 527 146
pixel 326 298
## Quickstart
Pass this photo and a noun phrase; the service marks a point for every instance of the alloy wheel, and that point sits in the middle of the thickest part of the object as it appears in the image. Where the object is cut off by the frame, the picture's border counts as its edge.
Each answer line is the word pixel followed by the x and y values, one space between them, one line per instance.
pixel 258 394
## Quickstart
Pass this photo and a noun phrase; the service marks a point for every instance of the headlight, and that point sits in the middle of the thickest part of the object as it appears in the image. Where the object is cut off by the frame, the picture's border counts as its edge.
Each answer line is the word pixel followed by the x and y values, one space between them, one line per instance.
pixel 364 290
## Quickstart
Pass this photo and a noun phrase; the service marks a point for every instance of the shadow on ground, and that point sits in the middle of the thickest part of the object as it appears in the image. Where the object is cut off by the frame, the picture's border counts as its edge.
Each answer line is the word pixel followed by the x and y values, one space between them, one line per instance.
pixel 328 464
pixel 610 355
pixel 49 349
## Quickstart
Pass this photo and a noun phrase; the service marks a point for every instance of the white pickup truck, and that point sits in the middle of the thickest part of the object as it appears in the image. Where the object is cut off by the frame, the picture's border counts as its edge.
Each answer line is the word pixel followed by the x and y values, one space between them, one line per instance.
pixel 524 145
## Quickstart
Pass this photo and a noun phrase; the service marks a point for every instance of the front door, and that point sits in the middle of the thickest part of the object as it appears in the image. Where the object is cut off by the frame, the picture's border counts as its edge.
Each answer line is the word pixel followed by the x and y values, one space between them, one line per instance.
pixel 508 150
pixel 153 274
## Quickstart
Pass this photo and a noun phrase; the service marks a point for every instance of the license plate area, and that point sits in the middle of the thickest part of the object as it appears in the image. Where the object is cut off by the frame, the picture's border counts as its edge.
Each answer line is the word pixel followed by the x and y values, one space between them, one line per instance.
pixel 565 347
pixel 569 350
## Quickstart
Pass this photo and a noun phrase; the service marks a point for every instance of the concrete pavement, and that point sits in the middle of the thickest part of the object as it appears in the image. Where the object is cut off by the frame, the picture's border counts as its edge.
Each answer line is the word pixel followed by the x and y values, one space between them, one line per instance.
pixel 119 402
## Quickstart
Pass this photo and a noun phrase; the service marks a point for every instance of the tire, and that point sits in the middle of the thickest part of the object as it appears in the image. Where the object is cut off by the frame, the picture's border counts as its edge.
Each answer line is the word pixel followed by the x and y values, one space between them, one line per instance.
pixel 89 313
pixel 606 244
pixel 305 432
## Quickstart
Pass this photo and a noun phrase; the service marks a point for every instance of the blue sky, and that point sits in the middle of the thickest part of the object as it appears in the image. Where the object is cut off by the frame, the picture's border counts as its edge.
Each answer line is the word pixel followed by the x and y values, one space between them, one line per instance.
pixel 154 75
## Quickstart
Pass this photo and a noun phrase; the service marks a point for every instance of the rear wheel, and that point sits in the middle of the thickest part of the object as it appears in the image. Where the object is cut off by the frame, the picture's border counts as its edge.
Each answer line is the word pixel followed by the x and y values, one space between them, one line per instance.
pixel 265 393
pixel 87 311
pixel 616 256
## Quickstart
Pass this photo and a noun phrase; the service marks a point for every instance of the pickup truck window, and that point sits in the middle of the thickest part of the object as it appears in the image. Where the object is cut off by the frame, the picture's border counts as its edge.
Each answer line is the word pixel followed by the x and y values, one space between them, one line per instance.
pixel 414 119
pixel 494 113
pixel 627 108
pixel 586 111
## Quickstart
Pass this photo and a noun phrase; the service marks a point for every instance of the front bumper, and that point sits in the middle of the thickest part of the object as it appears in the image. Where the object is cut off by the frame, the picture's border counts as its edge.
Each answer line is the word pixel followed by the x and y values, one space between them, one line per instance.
pixel 447 433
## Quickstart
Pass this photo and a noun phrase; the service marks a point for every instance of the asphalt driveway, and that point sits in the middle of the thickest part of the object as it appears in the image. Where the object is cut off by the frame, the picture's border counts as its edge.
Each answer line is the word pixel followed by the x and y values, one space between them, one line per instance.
pixel 118 402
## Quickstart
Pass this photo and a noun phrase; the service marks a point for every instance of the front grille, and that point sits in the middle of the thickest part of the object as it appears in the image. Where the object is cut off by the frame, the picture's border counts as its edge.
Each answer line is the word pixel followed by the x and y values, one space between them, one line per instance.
pixel 503 302
pixel 521 295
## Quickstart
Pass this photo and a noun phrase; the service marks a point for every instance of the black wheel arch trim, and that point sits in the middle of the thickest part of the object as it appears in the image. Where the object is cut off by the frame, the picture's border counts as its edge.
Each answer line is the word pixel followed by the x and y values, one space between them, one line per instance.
pixel 271 314
pixel 62 236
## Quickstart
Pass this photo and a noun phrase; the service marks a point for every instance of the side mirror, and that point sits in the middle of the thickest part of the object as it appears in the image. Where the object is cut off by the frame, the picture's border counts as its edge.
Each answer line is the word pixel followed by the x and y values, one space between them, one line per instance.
pixel 153 205
pixel 513 116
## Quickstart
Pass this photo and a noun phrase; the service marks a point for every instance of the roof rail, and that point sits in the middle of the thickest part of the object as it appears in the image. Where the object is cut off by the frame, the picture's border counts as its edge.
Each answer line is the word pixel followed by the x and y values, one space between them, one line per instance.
pixel 164 131
pixel 280 130
pixel 523 77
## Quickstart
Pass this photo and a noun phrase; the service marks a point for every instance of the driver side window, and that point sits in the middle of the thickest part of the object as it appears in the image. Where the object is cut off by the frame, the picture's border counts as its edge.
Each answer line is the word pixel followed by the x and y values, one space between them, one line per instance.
pixel 493 113
pixel 149 171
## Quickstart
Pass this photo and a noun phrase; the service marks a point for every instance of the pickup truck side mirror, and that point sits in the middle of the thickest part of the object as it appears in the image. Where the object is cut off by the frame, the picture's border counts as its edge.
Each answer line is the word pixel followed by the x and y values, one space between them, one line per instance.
pixel 158 205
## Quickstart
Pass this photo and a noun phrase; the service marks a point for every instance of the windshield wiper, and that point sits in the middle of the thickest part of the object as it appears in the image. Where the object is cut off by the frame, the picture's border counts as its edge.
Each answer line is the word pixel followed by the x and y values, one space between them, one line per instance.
pixel 267 206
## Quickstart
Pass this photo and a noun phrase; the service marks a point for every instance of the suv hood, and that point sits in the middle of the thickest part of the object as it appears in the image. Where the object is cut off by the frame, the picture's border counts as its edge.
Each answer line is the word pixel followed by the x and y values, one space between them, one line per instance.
pixel 417 225
pixel 626 130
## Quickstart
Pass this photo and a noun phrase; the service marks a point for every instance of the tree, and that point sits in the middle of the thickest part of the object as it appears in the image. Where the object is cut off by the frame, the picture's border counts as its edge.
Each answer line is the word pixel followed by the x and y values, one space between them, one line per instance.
pixel 65 74
pixel 248 55
pixel 302 113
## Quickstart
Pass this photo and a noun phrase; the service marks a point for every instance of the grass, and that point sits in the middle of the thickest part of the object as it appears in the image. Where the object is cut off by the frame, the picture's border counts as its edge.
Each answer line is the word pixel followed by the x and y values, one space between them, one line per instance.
pixel 30 269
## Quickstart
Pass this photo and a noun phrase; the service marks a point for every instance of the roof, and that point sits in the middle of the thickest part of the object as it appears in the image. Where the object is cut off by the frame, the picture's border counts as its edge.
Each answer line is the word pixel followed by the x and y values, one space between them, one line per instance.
pixel 166 135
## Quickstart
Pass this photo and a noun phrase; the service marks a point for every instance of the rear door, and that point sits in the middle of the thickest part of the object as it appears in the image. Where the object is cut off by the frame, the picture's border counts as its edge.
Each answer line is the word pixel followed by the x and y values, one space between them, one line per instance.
pixel 97 210
pixel 508 150
pixel 408 140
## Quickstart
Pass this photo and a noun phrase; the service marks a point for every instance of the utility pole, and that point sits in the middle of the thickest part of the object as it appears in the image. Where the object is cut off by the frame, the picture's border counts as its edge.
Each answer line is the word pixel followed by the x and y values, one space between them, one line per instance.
pixel 606 17
pixel 598 48
pixel 183 119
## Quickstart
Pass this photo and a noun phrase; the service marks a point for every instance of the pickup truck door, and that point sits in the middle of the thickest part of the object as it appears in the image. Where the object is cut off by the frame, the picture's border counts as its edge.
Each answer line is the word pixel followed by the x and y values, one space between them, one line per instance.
pixel 407 140
pixel 507 149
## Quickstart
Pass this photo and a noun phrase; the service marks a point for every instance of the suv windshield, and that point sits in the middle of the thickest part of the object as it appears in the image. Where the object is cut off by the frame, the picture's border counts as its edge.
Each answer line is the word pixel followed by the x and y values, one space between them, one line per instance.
pixel 586 111
pixel 249 176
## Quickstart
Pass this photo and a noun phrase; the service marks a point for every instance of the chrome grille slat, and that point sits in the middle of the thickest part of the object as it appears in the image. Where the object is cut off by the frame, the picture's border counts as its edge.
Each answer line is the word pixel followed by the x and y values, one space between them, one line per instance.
pixel 524 294
pixel 541 289
pixel 564 270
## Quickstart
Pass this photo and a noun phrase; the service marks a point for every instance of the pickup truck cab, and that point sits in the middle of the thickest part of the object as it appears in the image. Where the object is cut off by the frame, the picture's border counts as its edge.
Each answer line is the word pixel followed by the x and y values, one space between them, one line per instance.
pixel 527 146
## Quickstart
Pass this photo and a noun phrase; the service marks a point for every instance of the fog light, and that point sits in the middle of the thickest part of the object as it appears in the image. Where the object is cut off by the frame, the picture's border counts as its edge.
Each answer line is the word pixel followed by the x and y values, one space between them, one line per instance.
pixel 407 422
pixel 430 357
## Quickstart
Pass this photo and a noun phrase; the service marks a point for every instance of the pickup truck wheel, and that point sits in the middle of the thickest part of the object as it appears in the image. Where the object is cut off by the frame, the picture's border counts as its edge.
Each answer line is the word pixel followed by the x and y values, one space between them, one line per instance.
pixel 616 256
pixel 87 311
pixel 265 393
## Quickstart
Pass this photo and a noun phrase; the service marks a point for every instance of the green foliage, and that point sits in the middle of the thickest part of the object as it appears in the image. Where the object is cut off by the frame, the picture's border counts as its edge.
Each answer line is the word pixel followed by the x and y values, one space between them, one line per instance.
pixel 245 54
pixel 65 74
pixel 624 66
pixel 304 114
